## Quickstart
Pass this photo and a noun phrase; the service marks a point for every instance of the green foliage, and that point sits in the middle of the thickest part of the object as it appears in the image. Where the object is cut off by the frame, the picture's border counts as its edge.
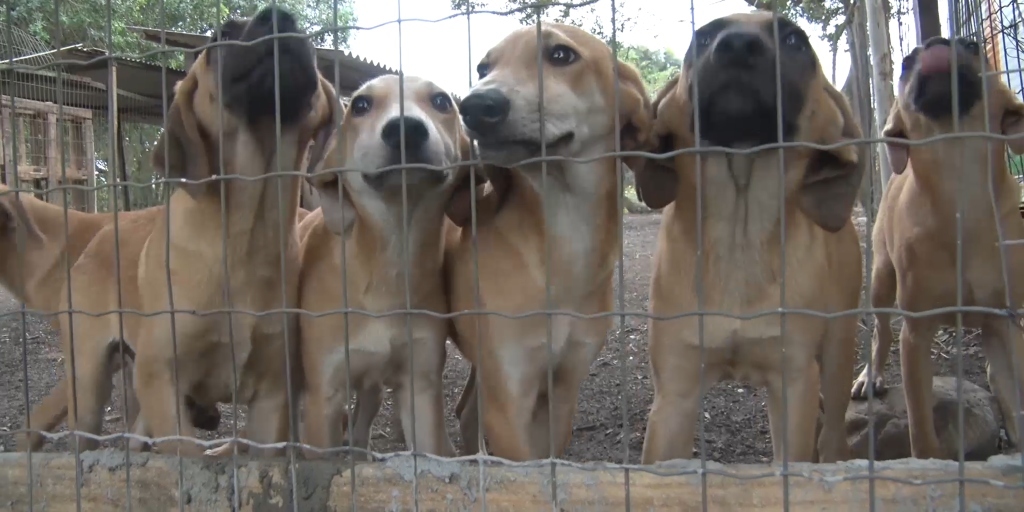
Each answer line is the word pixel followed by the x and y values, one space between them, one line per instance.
pixel 655 66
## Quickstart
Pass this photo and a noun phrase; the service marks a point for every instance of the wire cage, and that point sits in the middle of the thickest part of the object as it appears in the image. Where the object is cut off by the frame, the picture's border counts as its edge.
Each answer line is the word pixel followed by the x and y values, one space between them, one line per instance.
pixel 82 115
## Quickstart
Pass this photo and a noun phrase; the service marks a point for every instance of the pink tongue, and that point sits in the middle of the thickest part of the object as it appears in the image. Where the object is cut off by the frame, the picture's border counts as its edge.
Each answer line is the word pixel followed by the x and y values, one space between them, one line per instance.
pixel 935 60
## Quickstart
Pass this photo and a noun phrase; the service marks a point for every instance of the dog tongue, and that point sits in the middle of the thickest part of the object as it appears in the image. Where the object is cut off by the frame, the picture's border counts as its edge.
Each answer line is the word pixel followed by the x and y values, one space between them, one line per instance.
pixel 935 60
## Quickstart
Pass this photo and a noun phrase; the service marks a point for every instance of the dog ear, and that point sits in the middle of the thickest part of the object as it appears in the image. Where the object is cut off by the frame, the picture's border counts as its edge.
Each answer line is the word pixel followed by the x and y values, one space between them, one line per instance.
pixel 899 154
pixel 183 151
pixel 335 202
pixel 656 179
pixel 635 121
pixel 14 214
pixel 832 178
pixel 490 184
pixel 331 113
pixel 1012 124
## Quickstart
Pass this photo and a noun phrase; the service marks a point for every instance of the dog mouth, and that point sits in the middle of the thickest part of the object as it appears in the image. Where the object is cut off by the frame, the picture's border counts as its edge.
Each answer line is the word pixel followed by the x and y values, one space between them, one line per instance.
pixel 526 145
pixel 742 109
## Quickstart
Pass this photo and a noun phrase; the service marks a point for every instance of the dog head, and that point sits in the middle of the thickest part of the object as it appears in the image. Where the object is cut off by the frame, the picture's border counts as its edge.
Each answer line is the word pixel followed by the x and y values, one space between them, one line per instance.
pixel 924 104
pixel 728 88
pixel 372 139
pixel 227 104
pixel 14 218
pixel 578 89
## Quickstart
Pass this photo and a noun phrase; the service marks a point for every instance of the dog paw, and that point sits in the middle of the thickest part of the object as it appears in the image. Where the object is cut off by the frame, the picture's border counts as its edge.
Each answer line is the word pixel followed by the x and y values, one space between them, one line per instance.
pixel 220 451
pixel 860 386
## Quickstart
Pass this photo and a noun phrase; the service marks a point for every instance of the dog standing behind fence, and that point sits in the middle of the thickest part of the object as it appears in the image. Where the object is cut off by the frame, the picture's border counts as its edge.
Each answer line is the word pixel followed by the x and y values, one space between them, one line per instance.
pixel 189 259
pixel 729 77
pixel 393 248
pixel 915 237
pixel 36 270
pixel 573 215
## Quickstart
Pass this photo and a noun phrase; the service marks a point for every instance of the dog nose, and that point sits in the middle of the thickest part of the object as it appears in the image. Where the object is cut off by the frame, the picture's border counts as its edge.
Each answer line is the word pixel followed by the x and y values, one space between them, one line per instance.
pixel 738 47
pixel 936 40
pixel 416 133
pixel 263 23
pixel 484 110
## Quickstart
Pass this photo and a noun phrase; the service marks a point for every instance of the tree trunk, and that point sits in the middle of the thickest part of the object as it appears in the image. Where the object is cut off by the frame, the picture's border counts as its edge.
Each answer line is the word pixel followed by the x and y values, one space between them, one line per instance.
pixel 858 91
pixel 881 76
pixel 926 16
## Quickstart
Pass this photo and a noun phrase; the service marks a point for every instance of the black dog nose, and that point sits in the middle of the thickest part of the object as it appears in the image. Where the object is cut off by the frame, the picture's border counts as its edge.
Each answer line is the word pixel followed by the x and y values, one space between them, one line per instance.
pixel 416 133
pixel 484 110
pixel 738 47
pixel 264 21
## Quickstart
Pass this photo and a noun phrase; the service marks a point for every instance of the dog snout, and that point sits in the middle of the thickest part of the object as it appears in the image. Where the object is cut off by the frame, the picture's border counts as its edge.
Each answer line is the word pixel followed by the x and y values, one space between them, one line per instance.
pixel 936 58
pixel 738 48
pixel 483 111
pixel 257 81
pixel 416 133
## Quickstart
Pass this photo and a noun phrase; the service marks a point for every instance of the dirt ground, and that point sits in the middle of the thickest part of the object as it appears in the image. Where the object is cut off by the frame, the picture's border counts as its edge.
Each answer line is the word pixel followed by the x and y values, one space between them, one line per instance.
pixel 736 422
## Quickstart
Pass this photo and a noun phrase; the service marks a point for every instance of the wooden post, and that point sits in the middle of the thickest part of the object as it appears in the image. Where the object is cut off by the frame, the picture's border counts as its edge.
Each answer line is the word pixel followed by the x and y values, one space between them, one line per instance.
pixel 90 165
pixel 122 166
pixel 53 160
pixel 112 145
pixel 6 151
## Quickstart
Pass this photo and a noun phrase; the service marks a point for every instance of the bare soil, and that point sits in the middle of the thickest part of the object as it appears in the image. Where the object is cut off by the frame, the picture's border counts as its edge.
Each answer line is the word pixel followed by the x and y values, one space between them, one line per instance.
pixel 736 422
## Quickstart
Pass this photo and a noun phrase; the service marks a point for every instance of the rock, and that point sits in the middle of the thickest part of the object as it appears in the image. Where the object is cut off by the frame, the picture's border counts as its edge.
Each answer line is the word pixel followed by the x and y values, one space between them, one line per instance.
pixel 982 421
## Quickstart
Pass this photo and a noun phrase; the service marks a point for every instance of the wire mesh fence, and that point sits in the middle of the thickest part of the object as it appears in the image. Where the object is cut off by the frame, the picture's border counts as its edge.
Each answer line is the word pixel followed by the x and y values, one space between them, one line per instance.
pixel 353 244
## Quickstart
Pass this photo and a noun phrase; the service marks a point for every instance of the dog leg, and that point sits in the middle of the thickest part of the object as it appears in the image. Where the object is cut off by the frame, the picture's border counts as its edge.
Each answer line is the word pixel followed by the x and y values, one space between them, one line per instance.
pixel 839 355
pixel 801 411
pixel 45 417
pixel 883 294
pixel 161 404
pixel 677 398
pixel 314 421
pixel 468 412
pixel 431 436
pixel 368 402
pixel 273 409
pixel 86 398
pixel 556 431
pixel 1004 349
pixel 916 365
pixel 509 409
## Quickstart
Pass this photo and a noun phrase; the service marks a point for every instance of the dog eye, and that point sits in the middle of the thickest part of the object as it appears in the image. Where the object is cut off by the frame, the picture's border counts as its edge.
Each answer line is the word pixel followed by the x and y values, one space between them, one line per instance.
pixel 482 70
pixel 360 105
pixel 908 62
pixel 794 40
pixel 703 41
pixel 561 55
pixel 971 46
pixel 442 102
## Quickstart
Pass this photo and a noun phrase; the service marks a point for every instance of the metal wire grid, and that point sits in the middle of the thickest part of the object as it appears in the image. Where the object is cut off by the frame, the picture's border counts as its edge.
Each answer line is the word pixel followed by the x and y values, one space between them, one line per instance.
pixel 704 471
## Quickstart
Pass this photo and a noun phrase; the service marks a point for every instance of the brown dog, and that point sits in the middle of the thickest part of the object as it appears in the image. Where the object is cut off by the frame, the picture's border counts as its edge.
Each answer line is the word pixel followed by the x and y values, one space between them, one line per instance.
pixel 35 271
pixel 211 348
pixel 915 238
pixel 731 249
pixel 572 216
pixel 364 220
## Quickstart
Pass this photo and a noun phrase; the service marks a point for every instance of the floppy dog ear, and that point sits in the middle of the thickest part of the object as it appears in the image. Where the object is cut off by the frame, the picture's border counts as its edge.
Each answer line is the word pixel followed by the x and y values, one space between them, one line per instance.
pixel 335 202
pixel 656 179
pixel 491 186
pixel 899 154
pixel 330 111
pixel 832 178
pixel 183 151
pixel 14 214
pixel 1012 123
pixel 635 121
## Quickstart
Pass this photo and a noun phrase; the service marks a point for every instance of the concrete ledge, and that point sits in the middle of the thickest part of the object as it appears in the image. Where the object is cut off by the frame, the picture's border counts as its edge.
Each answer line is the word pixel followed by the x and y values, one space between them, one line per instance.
pixel 266 484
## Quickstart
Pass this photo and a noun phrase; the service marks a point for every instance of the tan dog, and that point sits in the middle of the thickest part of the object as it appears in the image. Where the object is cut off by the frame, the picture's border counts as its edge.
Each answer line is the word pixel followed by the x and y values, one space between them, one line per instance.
pixel 731 249
pixel 211 348
pixel 575 220
pixel 361 226
pixel 915 237
pixel 35 271
pixel 302 214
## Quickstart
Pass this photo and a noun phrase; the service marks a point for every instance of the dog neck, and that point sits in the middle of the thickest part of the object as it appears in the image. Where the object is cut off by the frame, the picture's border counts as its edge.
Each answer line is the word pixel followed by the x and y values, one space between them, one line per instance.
pixel 740 220
pixel 959 170
pixel 38 273
pixel 260 213
pixel 575 206
pixel 384 243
